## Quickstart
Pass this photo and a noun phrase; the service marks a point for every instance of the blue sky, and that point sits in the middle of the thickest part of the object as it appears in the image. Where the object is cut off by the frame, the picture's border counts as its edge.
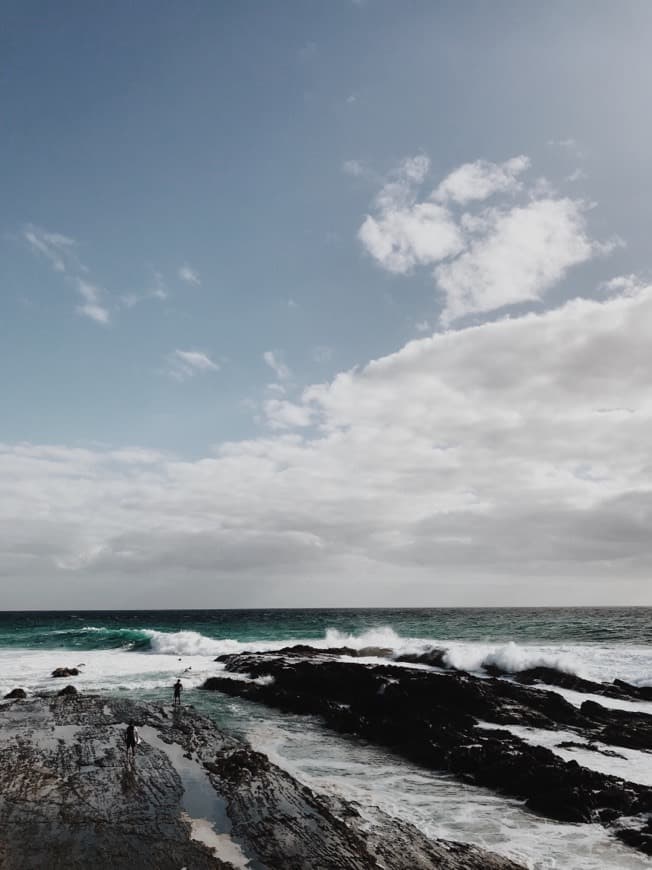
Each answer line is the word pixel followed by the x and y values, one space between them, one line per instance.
pixel 212 212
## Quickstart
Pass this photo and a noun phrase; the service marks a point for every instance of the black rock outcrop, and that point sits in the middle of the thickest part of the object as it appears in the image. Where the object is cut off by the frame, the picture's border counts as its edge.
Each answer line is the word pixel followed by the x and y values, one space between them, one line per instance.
pixel 440 720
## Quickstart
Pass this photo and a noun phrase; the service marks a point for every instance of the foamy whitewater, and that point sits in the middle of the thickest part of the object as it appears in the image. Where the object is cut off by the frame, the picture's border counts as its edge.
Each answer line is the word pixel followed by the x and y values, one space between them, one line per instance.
pixel 144 653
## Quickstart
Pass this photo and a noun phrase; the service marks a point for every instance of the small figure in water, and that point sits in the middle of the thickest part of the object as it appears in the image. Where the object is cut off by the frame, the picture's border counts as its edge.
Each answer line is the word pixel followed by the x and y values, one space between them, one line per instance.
pixel 131 739
pixel 177 693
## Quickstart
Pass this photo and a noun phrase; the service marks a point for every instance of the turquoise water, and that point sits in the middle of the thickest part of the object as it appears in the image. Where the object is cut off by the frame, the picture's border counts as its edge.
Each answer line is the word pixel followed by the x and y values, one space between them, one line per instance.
pixel 87 630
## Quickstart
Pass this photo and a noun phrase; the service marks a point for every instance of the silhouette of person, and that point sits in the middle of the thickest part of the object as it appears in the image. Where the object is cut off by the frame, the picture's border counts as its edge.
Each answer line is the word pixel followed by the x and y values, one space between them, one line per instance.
pixel 131 739
pixel 177 693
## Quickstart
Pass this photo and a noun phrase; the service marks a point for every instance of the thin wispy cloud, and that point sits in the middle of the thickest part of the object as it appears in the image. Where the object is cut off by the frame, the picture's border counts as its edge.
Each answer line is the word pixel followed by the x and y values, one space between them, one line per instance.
pixel 58 249
pixel 189 275
pixel 273 359
pixel 354 167
pixel 91 306
pixel 157 290
pixel 60 252
pixel 184 364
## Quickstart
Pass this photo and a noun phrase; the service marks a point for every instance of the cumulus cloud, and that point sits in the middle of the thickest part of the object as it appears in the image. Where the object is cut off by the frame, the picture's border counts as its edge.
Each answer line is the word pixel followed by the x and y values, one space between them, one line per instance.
pixel 481 179
pixel 520 253
pixel 503 463
pixel 184 364
pixel 405 233
pixel 485 259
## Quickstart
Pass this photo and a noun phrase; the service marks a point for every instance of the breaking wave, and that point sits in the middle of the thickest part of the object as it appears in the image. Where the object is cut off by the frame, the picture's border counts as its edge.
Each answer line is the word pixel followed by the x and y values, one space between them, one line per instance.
pixel 382 643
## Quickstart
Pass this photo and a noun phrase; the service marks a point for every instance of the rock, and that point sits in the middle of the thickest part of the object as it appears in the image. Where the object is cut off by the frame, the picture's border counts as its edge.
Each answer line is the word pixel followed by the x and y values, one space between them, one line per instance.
pixel 68 690
pixel 304 651
pixel 564 804
pixel 66 672
pixel 553 677
pixel 620 727
pixel 639 838
pixel 589 747
pixel 431 718
pixel 16 693
pixel 642 693
pixel 70 799
pixel 435 658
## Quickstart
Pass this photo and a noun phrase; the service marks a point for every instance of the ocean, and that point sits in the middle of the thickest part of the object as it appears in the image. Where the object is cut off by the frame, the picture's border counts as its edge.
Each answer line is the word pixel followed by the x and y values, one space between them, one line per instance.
pixel 144 652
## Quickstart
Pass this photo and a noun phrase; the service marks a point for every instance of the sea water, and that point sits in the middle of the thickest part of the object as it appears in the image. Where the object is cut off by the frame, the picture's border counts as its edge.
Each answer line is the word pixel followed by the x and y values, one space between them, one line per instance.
pixel 144 652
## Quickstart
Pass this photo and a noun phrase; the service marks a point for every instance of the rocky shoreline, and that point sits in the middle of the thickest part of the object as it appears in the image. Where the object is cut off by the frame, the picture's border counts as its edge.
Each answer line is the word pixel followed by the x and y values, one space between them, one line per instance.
pixel 194 798
pixel 452 722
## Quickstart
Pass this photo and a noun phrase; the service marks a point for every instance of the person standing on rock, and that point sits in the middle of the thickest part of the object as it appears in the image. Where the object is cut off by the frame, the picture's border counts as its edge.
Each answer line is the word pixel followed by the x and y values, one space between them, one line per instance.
pixel 177 693
pixel 131 739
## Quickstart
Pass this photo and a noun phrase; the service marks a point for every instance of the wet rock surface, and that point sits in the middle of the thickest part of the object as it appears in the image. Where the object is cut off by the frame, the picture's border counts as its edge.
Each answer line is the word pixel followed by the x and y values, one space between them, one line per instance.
pixel 193 797
pixel 432 718
pixel 65 672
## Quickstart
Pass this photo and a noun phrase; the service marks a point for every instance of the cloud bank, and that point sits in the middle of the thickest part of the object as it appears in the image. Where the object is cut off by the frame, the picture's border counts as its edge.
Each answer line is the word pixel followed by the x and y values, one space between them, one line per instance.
pixel 503 463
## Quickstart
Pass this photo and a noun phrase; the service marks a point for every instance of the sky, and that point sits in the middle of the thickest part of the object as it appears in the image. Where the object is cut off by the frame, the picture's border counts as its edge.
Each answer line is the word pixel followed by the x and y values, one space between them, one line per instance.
pixel 325 304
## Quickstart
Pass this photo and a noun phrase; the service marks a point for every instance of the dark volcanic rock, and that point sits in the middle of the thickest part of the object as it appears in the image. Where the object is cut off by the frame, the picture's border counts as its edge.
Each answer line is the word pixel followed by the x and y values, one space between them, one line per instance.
pixel 431 718
pixel 435 658
pixel 640 693
pixel 620 727
pixel 16 693
pixel 68 690
pixel 65 672
pixel 553 677
pixel 69 798
pixel 304 651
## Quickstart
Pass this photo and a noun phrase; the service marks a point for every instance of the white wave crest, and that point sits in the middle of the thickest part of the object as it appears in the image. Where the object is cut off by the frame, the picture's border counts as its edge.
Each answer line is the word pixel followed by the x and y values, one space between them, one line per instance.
pixel 509 657
pixel 191 643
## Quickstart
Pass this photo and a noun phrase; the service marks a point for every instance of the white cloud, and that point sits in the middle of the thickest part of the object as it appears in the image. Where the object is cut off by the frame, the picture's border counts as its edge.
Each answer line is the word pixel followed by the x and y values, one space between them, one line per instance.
pixel 183 364
pixel 354 167
pixel 91 306
pixel 422 326
pixel 487 258
pixel 57 248
pixel 457 470
pixel 189 275
pixel 522 253
pixel 281 414
pixel 60 251
pixel 481 179
pixel 276 364
pixel 576 175
pixel 405 233
pixel 94 312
